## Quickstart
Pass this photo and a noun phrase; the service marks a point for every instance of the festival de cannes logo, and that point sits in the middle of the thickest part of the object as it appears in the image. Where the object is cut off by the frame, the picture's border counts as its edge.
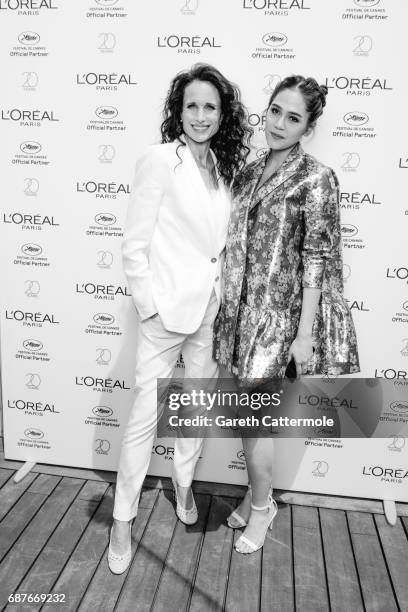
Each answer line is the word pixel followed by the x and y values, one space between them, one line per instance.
pixel 102 447
pixel 271 81
pixel 107 153
pixel 189 7
pixel 105 219
pixel 106 112
pixel 102 411
pixel 28 38
pixel 31 249
pixel 397 444
pixel 33 433
pixel 362 44
pixel 31 186
pixel 355 118
pixel 348 230
pixel 32 288
pixel 104 356
pixel 106 2
pixel 351 160
pixel 105 260
pixel 321 469
pixel 274 39
pixel 241 455
pixel 32 345
pixel 329 378
pixel 103 318
pixel 108 42
pixel 33 381
pixel 31 147
pixel 366 3
pixel 324 431
pixel 30 81
pixel 400 407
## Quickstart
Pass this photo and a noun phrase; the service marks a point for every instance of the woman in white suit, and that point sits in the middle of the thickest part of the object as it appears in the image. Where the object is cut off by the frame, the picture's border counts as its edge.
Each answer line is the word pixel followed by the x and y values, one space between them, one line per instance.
pixel 173 249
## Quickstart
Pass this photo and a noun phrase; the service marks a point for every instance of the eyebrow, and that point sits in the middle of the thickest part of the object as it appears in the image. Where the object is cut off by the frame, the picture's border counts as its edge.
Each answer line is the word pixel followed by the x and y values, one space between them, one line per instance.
pixel 291 112
pixel 189 101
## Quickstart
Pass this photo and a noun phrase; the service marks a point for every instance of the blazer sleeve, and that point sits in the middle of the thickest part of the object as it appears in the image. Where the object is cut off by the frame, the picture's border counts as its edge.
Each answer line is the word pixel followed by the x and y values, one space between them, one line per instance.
pixel 146 195
pixel 322 226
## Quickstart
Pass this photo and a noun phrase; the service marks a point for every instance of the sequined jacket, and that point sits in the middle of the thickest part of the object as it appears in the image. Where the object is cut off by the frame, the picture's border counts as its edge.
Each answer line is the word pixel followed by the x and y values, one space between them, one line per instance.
pixel 281 238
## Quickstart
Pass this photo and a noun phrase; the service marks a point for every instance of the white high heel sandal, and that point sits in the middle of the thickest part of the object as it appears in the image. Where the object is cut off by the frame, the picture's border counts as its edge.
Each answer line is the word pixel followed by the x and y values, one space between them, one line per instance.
pixel 272 510
pixel 188 517
pixel 119 563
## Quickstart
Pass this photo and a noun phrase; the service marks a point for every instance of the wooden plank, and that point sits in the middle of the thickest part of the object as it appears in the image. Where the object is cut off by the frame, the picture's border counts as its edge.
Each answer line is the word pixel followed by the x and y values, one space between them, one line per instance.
pixel 11 492
pixel 375 583
pixel 21 556
pixel 336 502
pixel 176 581
pixel 144 574
pixel 23 511
pixel 5 475
pixel 342 578
pixel 395 546
pixel 61 470
pixel 244 582
pixel 361 524
pixel 310 577
pixel 78 571
pixel 44 484
pixel 211 581
pixel 105 587
pixel 277 590
pixel 48 565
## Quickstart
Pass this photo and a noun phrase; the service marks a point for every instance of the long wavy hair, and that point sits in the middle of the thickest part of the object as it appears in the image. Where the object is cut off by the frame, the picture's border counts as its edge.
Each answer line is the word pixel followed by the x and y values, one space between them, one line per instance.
pixel 230 143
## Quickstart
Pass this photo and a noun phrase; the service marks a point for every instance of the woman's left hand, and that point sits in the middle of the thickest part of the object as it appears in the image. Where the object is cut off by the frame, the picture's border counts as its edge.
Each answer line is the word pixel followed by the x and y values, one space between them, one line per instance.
pixel 301 350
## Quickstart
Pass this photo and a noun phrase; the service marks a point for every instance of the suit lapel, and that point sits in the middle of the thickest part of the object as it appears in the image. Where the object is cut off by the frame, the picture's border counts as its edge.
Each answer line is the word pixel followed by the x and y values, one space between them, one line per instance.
pixel 202 199
pixel 284 172
pixel 246 198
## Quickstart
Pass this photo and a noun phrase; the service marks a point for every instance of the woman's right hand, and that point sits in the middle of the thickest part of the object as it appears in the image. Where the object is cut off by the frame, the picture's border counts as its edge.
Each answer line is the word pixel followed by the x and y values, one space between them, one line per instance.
pixel 301 350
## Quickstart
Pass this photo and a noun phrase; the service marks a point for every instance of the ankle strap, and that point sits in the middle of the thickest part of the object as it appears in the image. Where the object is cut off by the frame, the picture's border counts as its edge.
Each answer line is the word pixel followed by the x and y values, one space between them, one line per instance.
pixel 267 507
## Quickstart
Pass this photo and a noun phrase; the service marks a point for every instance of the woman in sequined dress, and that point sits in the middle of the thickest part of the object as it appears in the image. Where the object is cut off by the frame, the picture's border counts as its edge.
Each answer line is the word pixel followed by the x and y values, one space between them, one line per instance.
pixel 283 297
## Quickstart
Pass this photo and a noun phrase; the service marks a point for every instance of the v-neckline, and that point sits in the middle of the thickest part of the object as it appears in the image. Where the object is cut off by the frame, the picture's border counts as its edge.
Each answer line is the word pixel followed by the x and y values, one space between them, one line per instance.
pixel 259 185
pixel 214 160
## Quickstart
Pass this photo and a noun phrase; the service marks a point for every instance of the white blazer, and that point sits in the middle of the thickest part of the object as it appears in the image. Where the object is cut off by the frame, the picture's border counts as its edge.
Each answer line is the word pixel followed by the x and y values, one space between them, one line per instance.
pixel 174 238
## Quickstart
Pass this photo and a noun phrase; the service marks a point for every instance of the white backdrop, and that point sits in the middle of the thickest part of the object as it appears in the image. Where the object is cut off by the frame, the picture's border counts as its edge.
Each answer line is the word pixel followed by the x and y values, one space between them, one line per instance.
pixel 86 82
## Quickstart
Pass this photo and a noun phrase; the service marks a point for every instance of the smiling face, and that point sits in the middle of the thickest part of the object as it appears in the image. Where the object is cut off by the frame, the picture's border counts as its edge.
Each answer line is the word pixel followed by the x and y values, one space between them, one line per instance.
pixel 201 114
pixel 286 120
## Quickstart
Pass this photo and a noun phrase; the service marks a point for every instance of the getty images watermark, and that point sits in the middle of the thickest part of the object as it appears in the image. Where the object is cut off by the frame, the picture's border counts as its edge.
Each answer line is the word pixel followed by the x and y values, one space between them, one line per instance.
pixel 237 401
pixel 309 407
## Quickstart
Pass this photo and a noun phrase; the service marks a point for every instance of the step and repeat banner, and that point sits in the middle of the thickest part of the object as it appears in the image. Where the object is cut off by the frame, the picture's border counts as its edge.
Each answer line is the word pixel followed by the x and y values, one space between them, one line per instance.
pixel 83 87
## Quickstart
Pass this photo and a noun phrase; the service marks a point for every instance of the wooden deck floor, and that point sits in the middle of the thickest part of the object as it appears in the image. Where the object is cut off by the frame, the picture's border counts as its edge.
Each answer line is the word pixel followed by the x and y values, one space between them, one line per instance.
pixel 54 533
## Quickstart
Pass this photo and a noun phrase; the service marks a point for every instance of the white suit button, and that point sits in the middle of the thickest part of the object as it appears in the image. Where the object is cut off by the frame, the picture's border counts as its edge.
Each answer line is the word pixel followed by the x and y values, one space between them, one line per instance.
pixel 213 259
pixel 217 278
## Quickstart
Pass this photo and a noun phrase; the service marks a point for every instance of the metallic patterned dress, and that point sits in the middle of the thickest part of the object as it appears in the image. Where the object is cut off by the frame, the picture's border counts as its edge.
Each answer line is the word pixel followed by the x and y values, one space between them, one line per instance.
pixel 283 237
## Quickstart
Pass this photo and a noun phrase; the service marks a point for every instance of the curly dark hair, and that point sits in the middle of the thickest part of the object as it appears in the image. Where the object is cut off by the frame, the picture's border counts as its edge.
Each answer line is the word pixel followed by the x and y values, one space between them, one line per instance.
pixel 313 94
pixel 230 143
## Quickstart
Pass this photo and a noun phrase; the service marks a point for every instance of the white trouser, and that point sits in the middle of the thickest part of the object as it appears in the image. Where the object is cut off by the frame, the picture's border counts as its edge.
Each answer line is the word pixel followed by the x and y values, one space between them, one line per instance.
pixel 157 353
